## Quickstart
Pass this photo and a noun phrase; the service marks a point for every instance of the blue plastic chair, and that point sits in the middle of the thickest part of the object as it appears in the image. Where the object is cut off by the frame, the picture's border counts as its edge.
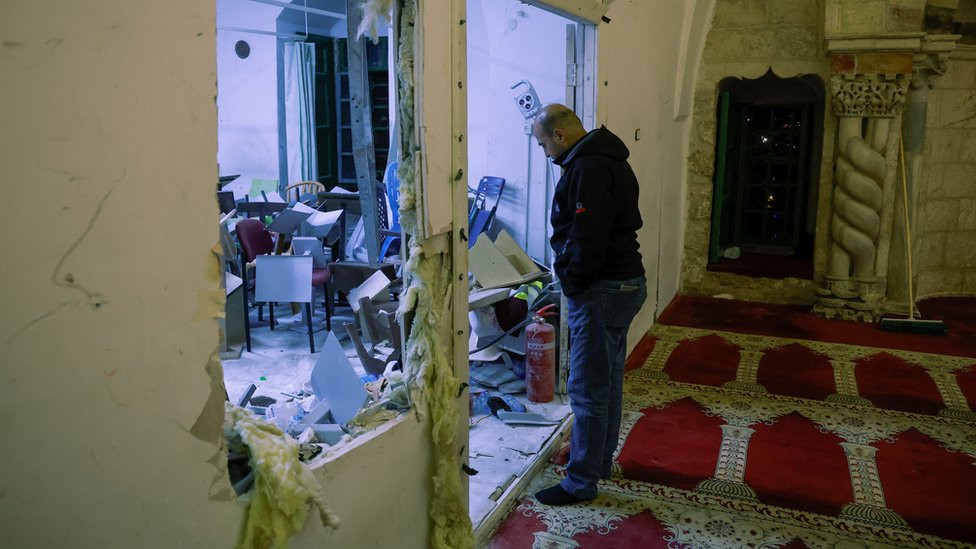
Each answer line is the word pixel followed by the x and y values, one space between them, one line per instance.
pixel 479 216
pixel 391 242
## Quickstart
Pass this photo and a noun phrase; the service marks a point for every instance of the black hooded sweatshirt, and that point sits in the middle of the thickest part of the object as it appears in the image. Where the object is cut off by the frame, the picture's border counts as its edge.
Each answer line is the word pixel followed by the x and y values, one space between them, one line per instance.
pixel 595 216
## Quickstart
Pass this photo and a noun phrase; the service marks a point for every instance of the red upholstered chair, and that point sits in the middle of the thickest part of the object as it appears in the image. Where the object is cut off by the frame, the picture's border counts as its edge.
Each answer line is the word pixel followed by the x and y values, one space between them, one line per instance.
pixel 255 240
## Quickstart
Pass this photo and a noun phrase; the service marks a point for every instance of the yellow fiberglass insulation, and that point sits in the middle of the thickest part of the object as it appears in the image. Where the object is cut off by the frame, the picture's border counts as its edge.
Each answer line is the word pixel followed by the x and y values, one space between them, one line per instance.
pixel 376 17
pixel 283 485
pixel 427 296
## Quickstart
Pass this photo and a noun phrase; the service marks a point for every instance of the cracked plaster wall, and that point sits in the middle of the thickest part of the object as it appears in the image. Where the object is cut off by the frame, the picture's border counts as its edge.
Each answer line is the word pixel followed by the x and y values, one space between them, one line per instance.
pixel 110 393
pixel 109 150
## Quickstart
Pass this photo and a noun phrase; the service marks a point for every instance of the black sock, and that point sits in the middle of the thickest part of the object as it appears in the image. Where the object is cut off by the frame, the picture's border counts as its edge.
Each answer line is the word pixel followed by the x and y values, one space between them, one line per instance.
pixel 555 495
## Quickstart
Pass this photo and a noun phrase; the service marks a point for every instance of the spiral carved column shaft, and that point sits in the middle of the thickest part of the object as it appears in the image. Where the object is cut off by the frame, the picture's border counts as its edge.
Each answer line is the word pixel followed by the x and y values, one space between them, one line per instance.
pixel 852 288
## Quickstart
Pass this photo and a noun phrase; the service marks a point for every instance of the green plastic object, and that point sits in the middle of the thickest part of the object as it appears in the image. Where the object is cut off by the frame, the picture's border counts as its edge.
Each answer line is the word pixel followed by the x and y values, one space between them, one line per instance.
pixel 266 185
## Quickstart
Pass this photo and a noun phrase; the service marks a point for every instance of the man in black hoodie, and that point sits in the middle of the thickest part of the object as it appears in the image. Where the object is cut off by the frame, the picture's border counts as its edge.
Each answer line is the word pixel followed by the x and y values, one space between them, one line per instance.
pixel 594 219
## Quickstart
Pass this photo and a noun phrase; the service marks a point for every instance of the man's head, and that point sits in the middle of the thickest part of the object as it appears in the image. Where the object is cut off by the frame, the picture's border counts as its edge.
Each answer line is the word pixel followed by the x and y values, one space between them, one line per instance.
pixel 557 129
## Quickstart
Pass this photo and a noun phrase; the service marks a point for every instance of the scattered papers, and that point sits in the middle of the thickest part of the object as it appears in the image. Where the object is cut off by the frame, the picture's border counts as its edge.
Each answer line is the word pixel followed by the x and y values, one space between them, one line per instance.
pixel 373 288
pixel 501 263
pixel 269 197
pixel 513 387
pixel 524 418
pixel 307 245
pixel 231 282
pixel 288 221
pixel 335 382
pixel 482 298
pixel 492 375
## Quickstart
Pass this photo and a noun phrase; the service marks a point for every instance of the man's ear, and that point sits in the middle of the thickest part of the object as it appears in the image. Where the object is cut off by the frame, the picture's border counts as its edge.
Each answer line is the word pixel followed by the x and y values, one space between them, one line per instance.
pixel 559 134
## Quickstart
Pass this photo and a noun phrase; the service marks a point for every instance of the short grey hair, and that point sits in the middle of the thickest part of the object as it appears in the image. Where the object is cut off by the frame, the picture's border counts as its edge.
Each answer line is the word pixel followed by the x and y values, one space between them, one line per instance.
pixel 557 116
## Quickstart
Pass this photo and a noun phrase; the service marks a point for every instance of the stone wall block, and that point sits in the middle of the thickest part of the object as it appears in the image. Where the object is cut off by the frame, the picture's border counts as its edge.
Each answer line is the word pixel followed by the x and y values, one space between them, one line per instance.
pixel 792 11
pixel 967 147
pixel 969 284
pixel 697 236
pixel 941 281
pixel 705 103
pixel 933 110
pixel 861 17
pixel 843 63
pixel 705 131
pixel 700 206
pixel 884 62
pixel 931 249
pixel 961 248
pixel 724 45
pixel 904 18
pixel 967 218
pixel 957 108
pixel 701 162
pixel 959 180
pixel 943 145
pixel 739 13
pixel 960 74
pixel 761 44
pixel 939 215
pixel 932 177
pixel 799 42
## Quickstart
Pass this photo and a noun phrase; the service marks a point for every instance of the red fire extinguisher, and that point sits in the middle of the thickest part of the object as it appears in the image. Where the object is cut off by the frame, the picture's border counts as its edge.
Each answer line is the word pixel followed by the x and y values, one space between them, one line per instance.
pixel 540 357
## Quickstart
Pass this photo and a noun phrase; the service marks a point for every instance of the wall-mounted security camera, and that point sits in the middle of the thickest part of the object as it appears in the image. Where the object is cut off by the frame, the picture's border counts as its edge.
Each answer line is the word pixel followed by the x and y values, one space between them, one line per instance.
pixel 526 100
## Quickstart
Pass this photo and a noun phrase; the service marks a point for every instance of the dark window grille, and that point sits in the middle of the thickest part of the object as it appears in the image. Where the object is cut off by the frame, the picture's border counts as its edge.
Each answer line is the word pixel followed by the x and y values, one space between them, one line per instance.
pixel 770 176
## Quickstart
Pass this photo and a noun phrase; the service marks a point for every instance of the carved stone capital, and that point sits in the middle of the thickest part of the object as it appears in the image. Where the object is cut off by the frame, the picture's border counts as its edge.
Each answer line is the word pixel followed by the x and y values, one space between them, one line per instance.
pixel 870 95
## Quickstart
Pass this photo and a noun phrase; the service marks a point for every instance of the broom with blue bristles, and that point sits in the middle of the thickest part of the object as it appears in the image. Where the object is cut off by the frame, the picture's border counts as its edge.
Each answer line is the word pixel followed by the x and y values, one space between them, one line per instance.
pixel 910 324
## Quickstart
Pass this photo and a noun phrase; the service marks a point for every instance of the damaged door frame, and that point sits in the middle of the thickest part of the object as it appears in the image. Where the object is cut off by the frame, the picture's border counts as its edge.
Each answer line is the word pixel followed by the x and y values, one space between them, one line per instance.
pixel 581 96
pixel 440 74
pixel 361 120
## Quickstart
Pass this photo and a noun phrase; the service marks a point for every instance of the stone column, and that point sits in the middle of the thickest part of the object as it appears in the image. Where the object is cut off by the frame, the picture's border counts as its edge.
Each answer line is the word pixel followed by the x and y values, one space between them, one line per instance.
pixel 868 86
pixel 730 471
pixel 869 501
pixel 927 66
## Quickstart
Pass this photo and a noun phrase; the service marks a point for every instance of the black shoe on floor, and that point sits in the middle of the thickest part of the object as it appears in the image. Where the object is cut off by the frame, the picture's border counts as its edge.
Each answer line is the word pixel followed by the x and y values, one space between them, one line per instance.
pixel 556 496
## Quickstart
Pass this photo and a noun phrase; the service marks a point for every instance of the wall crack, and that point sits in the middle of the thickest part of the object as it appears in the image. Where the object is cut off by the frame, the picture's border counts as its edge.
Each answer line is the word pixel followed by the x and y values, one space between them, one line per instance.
pixel 95 299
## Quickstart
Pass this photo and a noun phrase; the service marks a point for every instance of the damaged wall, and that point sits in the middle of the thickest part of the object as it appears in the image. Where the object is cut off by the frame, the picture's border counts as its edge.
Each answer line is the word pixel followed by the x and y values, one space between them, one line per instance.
pixel 110 291
pixel 643 95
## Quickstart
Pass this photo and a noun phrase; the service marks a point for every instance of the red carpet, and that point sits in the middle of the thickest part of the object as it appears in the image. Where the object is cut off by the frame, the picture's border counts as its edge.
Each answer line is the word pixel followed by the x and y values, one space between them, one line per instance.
pixel 959 315
pixel 776 430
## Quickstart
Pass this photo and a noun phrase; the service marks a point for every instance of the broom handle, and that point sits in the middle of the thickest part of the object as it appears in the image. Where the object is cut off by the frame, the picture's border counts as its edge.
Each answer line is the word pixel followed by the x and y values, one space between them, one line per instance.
pixel 908 233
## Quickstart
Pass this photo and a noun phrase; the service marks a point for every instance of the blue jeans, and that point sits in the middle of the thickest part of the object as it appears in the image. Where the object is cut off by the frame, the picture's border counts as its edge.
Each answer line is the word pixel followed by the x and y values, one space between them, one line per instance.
pixel 598 323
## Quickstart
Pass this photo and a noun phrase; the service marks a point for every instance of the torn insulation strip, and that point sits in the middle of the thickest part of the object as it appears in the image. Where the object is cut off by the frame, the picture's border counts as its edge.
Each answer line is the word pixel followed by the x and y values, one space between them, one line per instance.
pixel 427 298
pixel 282 484
pixel 376 16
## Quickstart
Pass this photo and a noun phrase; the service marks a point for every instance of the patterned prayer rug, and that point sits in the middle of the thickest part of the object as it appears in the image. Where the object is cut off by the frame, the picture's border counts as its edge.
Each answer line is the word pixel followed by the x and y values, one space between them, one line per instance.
pixel 740 434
